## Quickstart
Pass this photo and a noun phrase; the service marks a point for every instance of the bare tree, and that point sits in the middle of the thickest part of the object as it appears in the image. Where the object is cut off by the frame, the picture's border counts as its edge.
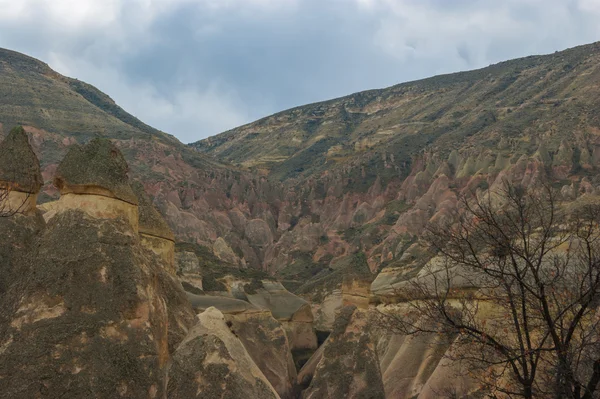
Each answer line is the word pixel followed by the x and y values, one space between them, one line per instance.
pixel 517 280
pixel 11 205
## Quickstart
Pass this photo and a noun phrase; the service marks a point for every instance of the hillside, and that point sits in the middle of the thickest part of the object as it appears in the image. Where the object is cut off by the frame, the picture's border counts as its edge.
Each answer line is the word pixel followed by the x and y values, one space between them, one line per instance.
pixel 329 201
pixel 366 172
pixel 548 98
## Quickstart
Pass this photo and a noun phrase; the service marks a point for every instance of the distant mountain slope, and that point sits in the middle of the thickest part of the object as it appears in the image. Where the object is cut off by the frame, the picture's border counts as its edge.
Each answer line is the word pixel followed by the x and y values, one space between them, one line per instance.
pixel 365 173
pixel 33 94
pixel 545 97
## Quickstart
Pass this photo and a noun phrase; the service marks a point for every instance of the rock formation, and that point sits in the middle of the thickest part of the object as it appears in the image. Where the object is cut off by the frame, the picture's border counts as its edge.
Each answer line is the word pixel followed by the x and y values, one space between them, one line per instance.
pixel 93 178
pixel 20 182
pixel 211 362
pixel 267 344
pixel 20 176
pixel 349 367
pixel 96 315
pixel 292 311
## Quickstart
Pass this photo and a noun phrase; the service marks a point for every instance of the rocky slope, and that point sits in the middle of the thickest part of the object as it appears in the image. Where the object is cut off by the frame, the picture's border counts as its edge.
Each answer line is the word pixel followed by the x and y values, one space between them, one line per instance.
pixel 365 173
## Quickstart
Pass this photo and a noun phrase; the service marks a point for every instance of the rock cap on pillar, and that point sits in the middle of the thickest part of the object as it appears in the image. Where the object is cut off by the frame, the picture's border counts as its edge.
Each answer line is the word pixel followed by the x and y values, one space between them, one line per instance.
pixel 95 168
pixel 19 166
pixel 20 176
pixel 93 178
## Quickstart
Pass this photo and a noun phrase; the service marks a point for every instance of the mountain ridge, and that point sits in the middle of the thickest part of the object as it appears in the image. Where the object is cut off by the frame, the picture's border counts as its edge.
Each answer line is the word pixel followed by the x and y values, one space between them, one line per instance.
pixel 407 83
pixel 237 146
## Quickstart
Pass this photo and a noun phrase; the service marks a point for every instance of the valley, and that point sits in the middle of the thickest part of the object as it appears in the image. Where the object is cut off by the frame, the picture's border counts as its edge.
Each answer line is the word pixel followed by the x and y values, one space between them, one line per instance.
pixel 255 263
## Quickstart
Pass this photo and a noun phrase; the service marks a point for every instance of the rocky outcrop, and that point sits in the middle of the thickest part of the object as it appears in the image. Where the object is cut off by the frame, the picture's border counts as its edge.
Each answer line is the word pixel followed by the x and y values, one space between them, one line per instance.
pixel 263 336
pixel 224 252
pixel 292 311
pixel 20 182
pixel 18 236
pixel 307 372
pixel 211 362
pixel 188 271
pixel 326 310
pixel 421 365
pixel 224 304
pixel 94 178
pixel 20 176
pixel 96 317
pixel 92 312
pixel 267 344
pixel 349 367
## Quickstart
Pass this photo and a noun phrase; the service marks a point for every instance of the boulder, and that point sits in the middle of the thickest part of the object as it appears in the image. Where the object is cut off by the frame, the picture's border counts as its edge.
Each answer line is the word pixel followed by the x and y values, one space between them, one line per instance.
pixel 212 362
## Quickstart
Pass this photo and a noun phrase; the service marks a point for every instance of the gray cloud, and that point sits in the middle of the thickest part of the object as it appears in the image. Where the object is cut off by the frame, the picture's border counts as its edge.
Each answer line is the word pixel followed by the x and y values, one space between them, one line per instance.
pixel 198 67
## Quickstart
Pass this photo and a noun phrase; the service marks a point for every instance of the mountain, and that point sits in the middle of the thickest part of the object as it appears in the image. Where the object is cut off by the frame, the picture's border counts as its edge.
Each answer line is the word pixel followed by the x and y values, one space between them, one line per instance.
pixel 526 100
pixel 346 183
pixel 364 173
pixel 193 190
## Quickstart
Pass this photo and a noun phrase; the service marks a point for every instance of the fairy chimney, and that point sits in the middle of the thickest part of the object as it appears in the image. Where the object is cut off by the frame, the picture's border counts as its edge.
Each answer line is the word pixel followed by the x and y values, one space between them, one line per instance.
pixel 93 178
pixel 20 176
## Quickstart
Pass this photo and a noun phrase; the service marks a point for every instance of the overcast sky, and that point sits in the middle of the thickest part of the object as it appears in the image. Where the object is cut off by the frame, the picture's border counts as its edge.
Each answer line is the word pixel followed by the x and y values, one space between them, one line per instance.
pixel 194 68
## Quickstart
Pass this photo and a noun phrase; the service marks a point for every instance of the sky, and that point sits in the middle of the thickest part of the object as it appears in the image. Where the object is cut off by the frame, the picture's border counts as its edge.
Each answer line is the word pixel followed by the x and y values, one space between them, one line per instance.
pixel 195 68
